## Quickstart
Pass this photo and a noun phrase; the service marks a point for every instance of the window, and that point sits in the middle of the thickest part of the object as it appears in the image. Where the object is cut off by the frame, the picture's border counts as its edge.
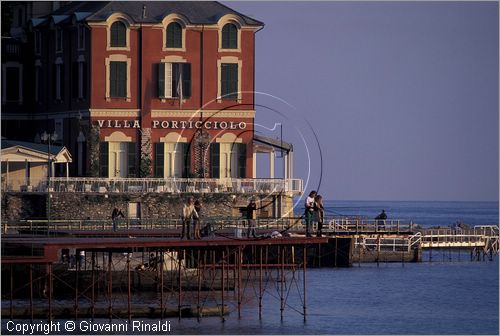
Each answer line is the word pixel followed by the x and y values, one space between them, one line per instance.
pixel 58 129
pixel 58 80
pixel 38 42
pixel 229 81
pixel 229 36
pixel 174 80
pixel 13 81
pixel 172 159
pixel 118 34
pixel 81 37
pixel 174 35
pixel 37 82
pixel 79 78
pixel 118 79
pixel 59 40
pixel 12 73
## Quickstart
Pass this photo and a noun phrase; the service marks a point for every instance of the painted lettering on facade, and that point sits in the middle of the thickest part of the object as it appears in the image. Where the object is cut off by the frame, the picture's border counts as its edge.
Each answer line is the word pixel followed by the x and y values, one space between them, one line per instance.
pixel 175 124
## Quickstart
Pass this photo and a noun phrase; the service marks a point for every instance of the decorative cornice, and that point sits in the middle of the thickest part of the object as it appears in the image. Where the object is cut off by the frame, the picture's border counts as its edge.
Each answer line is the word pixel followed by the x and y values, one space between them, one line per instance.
pixel 250 114
pixel 115 112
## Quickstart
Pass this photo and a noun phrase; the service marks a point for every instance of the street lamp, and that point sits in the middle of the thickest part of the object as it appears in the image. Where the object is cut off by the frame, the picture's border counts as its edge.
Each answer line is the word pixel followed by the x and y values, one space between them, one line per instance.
pixel 47 137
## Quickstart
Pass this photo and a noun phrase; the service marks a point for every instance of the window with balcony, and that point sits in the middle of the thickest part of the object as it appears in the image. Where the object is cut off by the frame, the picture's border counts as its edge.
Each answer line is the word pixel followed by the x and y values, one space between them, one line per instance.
pixel 174 80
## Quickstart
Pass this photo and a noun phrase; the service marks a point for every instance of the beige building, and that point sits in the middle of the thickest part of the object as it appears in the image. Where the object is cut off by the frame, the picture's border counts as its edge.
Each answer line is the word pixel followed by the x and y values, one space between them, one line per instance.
pixel 25 165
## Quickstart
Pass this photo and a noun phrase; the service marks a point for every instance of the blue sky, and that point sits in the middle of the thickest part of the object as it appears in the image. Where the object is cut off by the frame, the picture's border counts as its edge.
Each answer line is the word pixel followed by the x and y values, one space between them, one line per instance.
pixel 402 96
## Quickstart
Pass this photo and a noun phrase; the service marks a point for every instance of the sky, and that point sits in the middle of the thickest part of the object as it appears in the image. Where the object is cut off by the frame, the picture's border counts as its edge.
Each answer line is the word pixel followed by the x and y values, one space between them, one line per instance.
pixel 382 100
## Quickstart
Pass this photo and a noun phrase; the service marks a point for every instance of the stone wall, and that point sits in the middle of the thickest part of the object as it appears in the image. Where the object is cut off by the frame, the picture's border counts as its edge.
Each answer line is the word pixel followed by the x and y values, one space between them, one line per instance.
pixel 17 206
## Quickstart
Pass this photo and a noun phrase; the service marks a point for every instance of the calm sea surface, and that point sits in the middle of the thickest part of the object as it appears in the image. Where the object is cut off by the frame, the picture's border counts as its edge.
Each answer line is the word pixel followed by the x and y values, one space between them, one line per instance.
pixel 439 297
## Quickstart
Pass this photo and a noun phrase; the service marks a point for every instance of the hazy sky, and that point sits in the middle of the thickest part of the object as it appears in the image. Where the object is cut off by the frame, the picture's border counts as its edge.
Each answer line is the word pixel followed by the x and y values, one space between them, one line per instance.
pixel 402 96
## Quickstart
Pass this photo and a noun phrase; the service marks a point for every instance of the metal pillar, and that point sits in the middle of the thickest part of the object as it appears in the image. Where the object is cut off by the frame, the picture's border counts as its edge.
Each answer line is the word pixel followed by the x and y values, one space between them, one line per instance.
pixel 92 303
pixel 162 253
pixel 222 286
pixel 110 286
pixel 281 251
pixel 50 290
pixel 128 290
pixel 304 278
pixel 180 283
pixel 31 292
pixel 260 284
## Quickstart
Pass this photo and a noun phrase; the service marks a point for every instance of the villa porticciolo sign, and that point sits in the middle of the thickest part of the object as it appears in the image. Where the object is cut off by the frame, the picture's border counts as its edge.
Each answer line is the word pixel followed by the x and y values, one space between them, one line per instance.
pixel 174 124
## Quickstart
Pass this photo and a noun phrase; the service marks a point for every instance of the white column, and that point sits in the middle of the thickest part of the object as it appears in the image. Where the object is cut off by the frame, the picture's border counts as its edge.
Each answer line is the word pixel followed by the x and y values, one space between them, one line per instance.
pixel 7 176
pixel 271 164
pixel 67 169
pixel 52 168
pixel 26 172
pixel 80 140
pixel 285 165
pixel 290 164
pixel 254 164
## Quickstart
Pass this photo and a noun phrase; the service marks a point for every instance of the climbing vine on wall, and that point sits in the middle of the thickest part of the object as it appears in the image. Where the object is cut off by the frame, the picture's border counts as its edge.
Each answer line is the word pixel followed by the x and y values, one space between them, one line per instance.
pixel 146 167
pixel 93 150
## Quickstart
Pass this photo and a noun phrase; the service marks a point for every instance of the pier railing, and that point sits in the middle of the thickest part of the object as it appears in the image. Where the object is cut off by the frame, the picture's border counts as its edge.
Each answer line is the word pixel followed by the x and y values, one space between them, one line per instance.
pixel 157 185
pixel 335 225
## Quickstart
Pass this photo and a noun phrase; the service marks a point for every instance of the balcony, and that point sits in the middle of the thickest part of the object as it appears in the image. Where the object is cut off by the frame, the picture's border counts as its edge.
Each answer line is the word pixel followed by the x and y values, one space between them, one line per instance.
pixel 159 185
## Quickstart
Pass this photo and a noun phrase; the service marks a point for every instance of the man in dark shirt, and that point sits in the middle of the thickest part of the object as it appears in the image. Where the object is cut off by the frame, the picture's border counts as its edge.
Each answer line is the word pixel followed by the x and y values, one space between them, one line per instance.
pixel 251 216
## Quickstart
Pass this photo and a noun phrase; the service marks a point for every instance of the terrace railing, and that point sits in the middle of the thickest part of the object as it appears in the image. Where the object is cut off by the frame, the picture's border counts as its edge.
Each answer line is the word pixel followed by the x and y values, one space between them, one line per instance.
pixel 158 185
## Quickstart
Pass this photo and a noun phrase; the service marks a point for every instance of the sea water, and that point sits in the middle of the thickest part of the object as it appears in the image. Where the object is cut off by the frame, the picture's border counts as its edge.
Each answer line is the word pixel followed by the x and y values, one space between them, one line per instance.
pixel 445 296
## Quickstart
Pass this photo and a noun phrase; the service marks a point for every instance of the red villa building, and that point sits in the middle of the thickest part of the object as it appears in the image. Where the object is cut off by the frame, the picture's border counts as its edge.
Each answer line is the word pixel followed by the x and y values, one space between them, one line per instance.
pixel 150 90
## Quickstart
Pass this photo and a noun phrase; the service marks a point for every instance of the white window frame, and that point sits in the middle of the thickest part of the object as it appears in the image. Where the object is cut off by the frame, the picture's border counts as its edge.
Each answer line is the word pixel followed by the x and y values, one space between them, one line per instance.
pixel 38 67
pixel 81 36
pixel 125 19
pixel 168 20
pixel 80 61
pixel 59 129
pixel 237 21
pixel 169 60
pixel 59 80
pixel 117 58
pixel 59 46
pixel 19 66
pixel 38 42
pixel 228 59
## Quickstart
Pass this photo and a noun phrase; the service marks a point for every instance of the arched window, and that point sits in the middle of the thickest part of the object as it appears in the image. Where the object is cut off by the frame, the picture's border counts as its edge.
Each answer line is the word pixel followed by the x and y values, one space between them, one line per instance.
pixel 118 34
pixel 174 35
pixel 229 36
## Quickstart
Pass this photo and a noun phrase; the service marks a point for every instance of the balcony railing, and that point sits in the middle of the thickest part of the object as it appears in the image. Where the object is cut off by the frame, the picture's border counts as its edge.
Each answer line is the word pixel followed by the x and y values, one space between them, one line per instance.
pixel 158 185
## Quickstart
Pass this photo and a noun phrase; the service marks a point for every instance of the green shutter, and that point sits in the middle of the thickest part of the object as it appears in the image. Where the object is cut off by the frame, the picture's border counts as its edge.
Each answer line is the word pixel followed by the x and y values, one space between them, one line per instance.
pixel 242 160
pixel 215 160
pixel 186 80
pixel 229 81
pixel 186 150
pixel 112 79
pixel 118 79
pixel 131 158
pixel 103 159
pixel 161 80
pixel 159 159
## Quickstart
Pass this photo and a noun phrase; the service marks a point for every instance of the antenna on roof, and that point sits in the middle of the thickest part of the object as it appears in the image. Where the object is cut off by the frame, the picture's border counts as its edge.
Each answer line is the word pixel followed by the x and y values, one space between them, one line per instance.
pixel 143 11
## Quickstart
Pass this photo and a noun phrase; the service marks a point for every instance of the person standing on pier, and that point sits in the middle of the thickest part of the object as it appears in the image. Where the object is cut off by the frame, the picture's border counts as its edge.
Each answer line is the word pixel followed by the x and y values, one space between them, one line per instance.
pixel 197 220
pixel 320 213
pixel 251 217
pixel 309 211
pixel 380 219
pixel 114 217
pixel 188 213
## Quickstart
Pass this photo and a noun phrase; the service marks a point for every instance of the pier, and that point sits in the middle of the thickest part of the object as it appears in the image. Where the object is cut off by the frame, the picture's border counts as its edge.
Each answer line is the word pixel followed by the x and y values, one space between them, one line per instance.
pixel 104 272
